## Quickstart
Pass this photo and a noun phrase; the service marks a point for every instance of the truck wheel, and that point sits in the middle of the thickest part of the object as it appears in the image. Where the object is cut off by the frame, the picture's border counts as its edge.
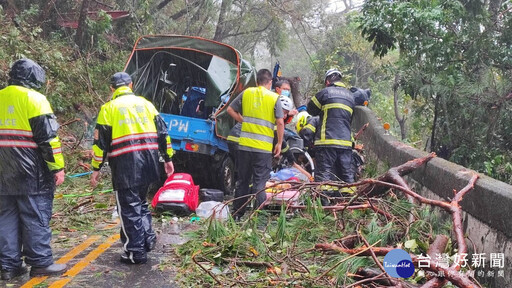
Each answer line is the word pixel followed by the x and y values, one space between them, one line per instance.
pixel 226 176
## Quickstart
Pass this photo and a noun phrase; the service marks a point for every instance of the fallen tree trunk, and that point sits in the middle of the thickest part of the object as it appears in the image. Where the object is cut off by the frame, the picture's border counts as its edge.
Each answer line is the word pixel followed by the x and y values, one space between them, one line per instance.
pixel 450 273
pixel 392 179
pixel 392 176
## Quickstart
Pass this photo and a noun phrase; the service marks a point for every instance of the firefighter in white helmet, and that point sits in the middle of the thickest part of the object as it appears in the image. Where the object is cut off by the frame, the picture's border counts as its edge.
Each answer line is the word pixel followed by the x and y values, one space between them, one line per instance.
pixel 334 105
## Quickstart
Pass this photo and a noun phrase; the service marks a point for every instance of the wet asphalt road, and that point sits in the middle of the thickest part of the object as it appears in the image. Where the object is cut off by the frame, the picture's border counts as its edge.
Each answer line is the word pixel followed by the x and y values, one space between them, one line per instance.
pixel 96 263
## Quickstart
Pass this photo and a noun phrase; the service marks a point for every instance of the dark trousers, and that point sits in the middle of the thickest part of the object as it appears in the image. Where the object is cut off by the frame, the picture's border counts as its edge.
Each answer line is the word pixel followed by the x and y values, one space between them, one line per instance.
pixel 136 230
pixel 258 166
pixel 333 164
pixel 25 228
pixel 233 151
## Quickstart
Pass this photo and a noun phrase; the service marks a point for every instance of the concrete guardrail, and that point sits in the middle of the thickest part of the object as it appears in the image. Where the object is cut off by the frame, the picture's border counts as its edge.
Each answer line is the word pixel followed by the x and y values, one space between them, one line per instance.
pixel 488 207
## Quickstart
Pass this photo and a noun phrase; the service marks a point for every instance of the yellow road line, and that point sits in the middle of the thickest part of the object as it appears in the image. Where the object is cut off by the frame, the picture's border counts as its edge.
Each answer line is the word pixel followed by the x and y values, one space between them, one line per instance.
pixel 85 262
pixel 78 249
pixel 64 259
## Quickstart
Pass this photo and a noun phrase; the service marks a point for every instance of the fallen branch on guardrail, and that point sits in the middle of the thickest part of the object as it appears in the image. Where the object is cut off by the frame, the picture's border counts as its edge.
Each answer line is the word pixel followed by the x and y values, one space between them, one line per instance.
pixel 358 134
pixel 394 175
pixel 450 274
pixel 452 207
pixel 245 252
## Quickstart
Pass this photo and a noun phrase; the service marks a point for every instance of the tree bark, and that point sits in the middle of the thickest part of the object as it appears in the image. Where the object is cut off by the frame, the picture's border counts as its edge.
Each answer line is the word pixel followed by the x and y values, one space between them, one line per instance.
pixel 371 273
pixel 438 246
pixel 219 29
pixel 163 4
pixel 434 126
pixel 45 16
pixel 9 6
pixel 392 174
pixel 401 120
pixel 494 8
pixel 447 124
pixel 80 31
pixel 12 5
pixel 185 10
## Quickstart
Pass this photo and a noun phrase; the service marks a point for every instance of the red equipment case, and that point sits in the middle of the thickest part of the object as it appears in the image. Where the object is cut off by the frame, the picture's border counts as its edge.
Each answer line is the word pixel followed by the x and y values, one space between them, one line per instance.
pixel 178 195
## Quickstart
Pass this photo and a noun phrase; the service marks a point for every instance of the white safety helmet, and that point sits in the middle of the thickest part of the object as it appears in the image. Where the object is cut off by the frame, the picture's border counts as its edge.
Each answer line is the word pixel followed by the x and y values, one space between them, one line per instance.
pixel 332 72
pixel 286 103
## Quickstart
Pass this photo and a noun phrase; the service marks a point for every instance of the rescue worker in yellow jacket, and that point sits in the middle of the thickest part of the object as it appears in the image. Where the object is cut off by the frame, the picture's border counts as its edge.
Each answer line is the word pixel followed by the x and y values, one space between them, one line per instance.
pixel 286 152
pixel 132 136
pixel 306 128
pixel 31 166
pixel 259 110
pixel 333 145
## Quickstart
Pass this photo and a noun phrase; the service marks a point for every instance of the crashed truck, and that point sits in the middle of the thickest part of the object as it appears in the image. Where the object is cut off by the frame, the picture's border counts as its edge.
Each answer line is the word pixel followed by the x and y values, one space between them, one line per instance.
pixel 191 81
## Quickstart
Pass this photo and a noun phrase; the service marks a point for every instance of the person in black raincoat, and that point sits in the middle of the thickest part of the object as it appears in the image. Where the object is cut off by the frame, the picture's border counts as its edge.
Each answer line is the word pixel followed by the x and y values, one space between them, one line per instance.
pixel 333 142
pixel 132 135
pixel 32 165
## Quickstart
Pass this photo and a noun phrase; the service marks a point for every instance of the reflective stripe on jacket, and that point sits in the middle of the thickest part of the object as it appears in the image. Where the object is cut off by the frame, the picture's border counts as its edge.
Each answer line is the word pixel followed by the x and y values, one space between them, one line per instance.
pixel 234 136
pixel 258 105
pixel 234 133
pixel 30 150
pixel 132 133
pixel 308 132
pixel 334 105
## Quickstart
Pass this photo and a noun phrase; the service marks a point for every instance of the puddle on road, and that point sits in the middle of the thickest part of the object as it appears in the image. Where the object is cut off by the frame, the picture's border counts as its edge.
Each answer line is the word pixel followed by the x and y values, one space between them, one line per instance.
pixel 172 233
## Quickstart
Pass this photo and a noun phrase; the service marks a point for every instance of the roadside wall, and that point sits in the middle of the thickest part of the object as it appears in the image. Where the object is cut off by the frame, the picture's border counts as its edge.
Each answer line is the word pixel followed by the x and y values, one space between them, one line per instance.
pixel 488 207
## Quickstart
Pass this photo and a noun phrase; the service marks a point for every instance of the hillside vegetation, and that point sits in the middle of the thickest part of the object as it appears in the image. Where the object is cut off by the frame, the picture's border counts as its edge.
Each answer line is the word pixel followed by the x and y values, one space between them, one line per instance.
pixel 439 71
pixel 77 83
pixel 274 249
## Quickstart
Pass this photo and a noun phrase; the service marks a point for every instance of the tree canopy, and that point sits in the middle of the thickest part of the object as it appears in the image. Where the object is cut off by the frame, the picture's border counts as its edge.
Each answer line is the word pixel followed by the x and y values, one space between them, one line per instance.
pixel 456 55
pixel 441 70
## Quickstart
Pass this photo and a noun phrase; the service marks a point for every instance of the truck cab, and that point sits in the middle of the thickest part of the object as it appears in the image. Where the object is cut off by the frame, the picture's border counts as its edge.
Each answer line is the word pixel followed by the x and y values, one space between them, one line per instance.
pixel 191 81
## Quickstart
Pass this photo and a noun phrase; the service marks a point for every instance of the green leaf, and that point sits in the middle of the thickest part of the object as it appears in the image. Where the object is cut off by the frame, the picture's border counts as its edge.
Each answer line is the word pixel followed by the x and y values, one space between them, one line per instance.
pixel 411 245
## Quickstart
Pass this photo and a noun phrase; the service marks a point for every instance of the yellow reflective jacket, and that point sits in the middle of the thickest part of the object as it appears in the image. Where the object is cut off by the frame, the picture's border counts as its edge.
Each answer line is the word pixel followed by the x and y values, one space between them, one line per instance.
pixel 308 132
pixel 130 133
pixel 234 136
pixel 30 150
pixel 258 105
